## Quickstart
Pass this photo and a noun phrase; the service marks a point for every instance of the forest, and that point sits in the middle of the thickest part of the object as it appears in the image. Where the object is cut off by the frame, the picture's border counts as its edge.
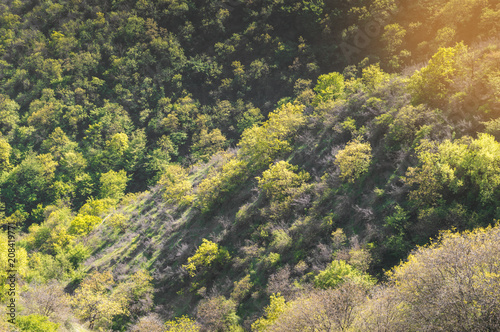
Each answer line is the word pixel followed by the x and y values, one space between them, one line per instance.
pixel 259 165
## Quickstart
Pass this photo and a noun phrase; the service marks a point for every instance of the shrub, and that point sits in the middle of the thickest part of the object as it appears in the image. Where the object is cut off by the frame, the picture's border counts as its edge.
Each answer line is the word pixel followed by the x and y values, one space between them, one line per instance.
pixel 217 313
pixel 83 224
pixel 329 87
pixel 181 324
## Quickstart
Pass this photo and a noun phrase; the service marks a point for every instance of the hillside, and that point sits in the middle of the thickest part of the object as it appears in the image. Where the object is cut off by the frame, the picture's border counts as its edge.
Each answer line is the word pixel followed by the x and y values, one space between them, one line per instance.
pixel 250 166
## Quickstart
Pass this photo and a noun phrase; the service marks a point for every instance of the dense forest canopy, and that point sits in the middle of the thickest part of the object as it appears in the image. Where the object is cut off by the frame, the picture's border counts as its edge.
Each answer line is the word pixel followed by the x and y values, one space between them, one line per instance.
pixel 264 165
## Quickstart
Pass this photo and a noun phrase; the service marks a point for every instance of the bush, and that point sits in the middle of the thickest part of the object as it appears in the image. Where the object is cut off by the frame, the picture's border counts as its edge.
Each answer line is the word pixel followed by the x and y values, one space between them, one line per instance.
pixel 329 87
pixel 181 324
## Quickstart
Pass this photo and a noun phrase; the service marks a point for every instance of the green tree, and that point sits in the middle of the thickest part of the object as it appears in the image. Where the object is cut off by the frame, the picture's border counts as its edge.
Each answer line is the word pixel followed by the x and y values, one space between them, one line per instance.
pixel 276 307
pixel 432 84
pixel 207 144
pixel 175 184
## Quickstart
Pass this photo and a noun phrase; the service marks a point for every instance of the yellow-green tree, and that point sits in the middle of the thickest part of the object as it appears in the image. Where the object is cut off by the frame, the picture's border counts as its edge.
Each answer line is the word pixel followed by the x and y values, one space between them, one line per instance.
pixel 113 184
pixel 207 255
pixel 93 301
pixel 354 160
pixel 329 87
pixel 175 184
pixel 432 83
pixel 260 145
pixel 452 284
pixel 279 181
pixel 182 324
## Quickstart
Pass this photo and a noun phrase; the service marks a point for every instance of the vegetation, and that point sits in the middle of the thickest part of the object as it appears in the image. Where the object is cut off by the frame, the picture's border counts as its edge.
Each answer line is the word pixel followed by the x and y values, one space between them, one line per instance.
pixel 250 165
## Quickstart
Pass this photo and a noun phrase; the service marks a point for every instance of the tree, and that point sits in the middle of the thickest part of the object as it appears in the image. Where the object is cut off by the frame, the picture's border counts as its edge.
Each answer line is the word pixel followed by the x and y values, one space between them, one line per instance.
pixel 220 183
pixel 207 144
pixel 47 300
pixel 9 116
pixel 353 160
pixel 93 302
pixel 83 224
pixel 138 293
pixel 182 324
pixel 207 255
pixel 113 184
pixel 260 145
pixel 276 307
pixel 175 184
pixel 451 284
pixel 453 167
pixel 339 272
pixel 150 323
pixel 279 181
pixel 328 88
pixel 5 150
pixel 432 84
pixel 217 313
pixel 36 323
pixel 321 310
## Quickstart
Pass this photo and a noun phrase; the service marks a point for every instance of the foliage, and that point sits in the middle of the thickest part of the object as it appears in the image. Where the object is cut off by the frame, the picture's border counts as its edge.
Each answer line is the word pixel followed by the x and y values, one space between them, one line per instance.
pixel 328 88
pixel 452 167
pixel 36 323
pixel 113 184
pixel 353 160
pixel 450 284
pixel 339 272
pixel 220 183
pixel 433 82
pixel 93 303
pixel 275 308
pixel 279 181
pixel 176 184
pixel 217 313
pixel 321 310
pixel 207 255
pixel 259 145
pixel 182 324
pixel 83 224
pixel 19 263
